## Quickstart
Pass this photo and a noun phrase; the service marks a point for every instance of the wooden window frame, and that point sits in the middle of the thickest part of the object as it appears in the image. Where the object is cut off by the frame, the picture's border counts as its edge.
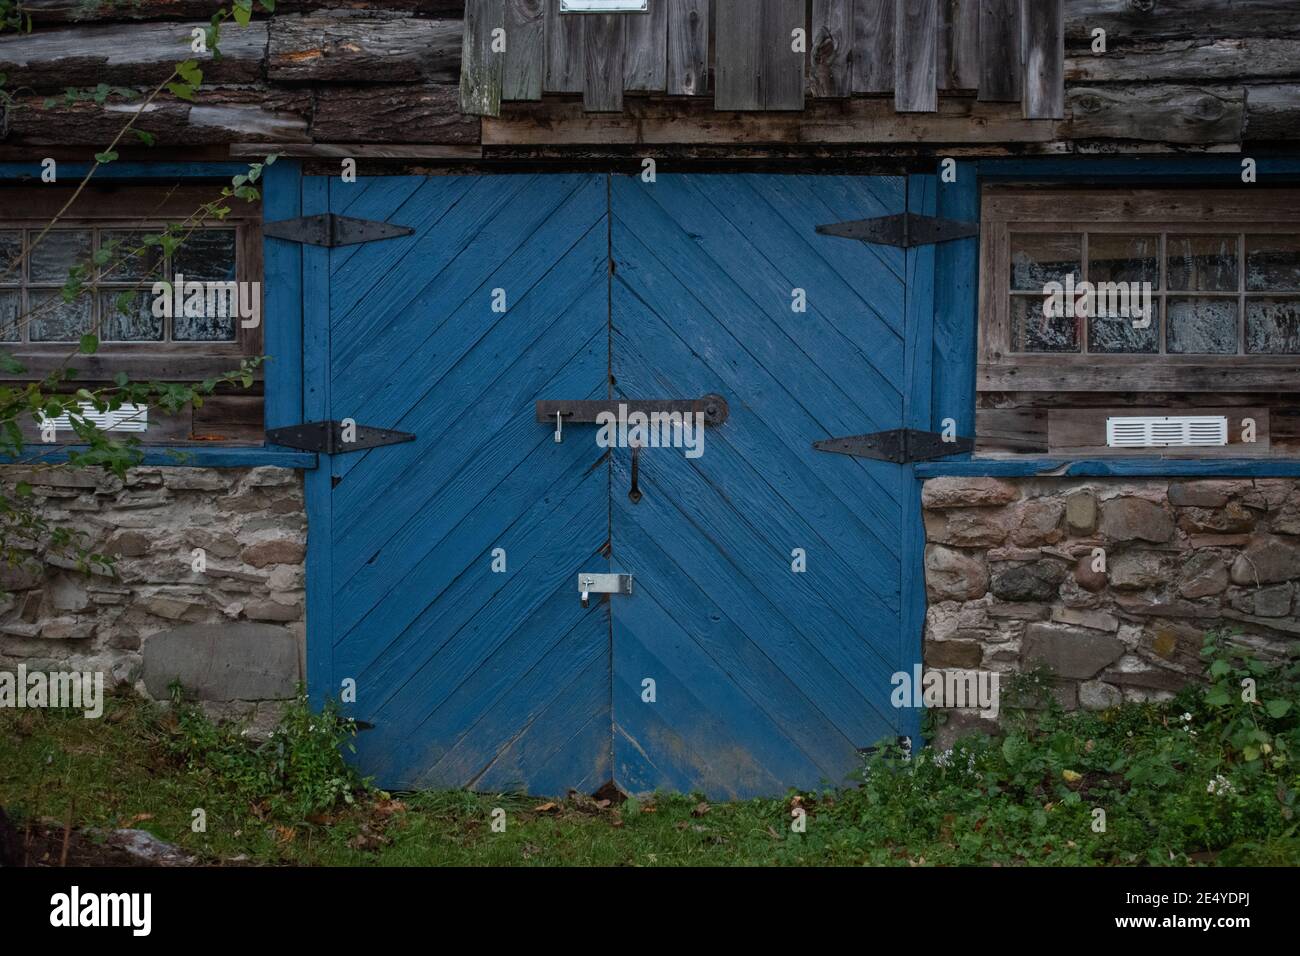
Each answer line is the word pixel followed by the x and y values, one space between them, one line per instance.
pixel 1029 208
pixel 125 206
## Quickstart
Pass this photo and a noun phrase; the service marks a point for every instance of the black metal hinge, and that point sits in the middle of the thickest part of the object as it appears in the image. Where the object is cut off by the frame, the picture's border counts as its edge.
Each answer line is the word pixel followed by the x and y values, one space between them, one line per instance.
pixel 905 230
pixel 330 230
pixel 902 445
pixel 334 438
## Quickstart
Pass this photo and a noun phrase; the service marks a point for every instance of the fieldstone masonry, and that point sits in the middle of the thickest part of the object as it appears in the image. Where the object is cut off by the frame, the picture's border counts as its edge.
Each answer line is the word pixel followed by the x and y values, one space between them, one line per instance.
pixel 1011 582
pixel 232 633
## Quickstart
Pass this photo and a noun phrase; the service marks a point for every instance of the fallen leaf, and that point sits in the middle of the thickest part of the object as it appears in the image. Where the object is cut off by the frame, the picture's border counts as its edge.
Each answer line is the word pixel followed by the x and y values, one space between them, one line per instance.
pixel 700 810
pixel 547 807
pixel 1071 776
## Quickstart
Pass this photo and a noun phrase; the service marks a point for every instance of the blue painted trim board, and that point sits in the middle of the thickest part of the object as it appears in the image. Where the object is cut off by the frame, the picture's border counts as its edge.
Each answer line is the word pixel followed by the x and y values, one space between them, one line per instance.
pixel 1111 468
pixel 184 456
pixel 72 172
pixel 312 277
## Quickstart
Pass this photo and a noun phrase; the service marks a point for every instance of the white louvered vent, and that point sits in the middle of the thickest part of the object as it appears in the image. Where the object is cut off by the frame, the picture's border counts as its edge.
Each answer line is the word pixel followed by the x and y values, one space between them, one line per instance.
pixel 128 418
pixel 1157 431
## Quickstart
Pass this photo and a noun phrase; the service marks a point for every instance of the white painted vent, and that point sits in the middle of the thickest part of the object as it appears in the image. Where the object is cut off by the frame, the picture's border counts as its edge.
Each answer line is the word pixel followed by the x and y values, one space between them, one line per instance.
pixel 128 418
pixel 1167 431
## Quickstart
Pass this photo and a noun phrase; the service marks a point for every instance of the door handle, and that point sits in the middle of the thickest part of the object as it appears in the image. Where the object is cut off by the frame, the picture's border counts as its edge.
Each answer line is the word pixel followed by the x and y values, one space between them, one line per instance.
pixel 712 407
pixel 634 493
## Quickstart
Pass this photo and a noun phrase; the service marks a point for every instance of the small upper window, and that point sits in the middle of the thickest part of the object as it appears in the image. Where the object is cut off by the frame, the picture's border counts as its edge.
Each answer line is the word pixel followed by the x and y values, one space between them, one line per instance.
pixel 1139 290
pixel 184 310
pixel 120 304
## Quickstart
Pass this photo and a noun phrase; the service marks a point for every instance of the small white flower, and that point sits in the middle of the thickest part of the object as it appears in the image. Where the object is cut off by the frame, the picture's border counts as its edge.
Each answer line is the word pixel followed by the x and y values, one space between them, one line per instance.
pixel 1220 786
pixel 1187 718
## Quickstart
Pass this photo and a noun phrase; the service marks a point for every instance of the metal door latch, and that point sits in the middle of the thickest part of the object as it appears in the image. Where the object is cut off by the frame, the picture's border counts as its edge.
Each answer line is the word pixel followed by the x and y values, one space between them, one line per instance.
pixel 589 584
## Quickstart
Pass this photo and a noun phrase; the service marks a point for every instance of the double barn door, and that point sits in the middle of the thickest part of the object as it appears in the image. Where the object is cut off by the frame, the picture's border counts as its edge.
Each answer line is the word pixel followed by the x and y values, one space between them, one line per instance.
pixel 773 585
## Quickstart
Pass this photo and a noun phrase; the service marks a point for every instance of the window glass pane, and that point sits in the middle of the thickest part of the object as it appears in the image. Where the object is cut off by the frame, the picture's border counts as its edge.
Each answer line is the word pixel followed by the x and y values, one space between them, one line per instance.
pixel 1202 263
pixel 53 320
pixel 1038 258
pixel 1272 262
pixel 124 267
pixel 59 251
pixel 1273 326
pixel 1034 332
pixel 208 254
pixel 1114 333
pixel 213 322
pixel 1115 258
pixel 136 324
pixel 1202 326
pixel 9 330
pixel 11 247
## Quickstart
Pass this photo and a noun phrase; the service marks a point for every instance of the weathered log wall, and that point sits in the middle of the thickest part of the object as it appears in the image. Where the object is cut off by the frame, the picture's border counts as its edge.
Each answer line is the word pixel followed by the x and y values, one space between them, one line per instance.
pixel 381 77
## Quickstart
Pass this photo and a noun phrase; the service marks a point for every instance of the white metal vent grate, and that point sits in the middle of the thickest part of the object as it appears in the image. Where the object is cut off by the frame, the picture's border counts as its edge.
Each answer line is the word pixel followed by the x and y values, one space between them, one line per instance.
pixel 1156 431
pixel 128 418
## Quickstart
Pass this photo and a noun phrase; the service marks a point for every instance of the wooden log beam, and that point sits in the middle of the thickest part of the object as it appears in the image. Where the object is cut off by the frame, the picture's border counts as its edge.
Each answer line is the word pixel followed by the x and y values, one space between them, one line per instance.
pixel 434 151
pixel 339 46
pixel 1164 114
pixel 224 116
pixel 105 11
pixel 392 113
pixel 1242 58
pixel 1273 112
pixel 1130 20
pixel 653 121
pixel 126 55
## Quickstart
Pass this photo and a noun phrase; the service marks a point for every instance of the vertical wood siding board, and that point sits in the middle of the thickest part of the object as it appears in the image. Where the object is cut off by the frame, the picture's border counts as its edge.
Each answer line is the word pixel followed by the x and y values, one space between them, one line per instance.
pixel 645 49
pixel 1044 59
pixel 966 45
pixel 564 59
pixel 737 56
pixel 958 45
pixel 602 82
pixel 1000 56
pixel 783 68
pixel 830 48
pixel 873 46
pixel 481 70
pixel 314 349
pixel 525 56
pixel 916 28
pixel 688 47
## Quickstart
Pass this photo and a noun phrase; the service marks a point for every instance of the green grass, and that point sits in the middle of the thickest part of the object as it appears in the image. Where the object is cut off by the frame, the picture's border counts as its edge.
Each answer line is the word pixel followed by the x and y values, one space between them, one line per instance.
pixel 1028 797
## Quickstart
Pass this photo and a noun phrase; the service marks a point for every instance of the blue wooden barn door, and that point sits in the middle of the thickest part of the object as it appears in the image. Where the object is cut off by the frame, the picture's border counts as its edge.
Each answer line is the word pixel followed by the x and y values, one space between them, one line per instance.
pixel 442 570
pixel 769 610
pixel 776 588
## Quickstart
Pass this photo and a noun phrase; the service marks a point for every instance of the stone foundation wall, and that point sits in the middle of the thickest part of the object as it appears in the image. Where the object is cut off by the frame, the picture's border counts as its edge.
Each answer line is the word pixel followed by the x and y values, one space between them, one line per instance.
pixel 232 632
pixel 1011 580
